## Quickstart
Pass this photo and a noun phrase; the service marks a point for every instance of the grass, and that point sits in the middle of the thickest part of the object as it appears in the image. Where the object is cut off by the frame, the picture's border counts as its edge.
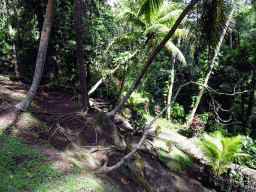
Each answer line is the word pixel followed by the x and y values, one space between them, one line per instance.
pixel 166 125
pixel 171 156
pixel 22 168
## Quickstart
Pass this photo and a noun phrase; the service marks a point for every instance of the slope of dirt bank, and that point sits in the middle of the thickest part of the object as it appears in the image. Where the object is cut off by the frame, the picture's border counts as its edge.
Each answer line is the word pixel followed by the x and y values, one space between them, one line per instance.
pixel 54 126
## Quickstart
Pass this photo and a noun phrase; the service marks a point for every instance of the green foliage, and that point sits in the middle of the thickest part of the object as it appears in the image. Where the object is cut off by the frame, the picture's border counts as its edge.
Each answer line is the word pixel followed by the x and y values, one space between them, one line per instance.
pixel 249 147
pixel 233 181
pixel 158 130
pixel 177 111
pixel 196 127
pixel 221 150
pixel 136 119
pixel 136 99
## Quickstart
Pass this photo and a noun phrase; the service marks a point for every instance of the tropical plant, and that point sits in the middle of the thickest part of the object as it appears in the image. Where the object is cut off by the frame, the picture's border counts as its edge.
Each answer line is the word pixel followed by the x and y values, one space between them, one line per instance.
pixel 196 127
pixel 211 32
pixel 221 151
pixel 154 24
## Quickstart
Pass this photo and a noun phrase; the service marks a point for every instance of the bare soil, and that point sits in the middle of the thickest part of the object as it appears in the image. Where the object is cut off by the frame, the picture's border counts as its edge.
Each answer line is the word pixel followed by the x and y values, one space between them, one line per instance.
pixel 66 134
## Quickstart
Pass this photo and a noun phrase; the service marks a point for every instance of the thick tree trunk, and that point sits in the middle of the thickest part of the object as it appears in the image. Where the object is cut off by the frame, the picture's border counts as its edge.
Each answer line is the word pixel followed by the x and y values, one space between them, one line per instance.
pixel 152 56
pixel 51 7
pixel 209 71
pixel 12 39
pixel 169 96
pixel 80 54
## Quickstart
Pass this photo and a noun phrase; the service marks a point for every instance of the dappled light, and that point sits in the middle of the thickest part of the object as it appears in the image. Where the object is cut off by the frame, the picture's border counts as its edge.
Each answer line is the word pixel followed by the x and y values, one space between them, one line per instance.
pixel 146 95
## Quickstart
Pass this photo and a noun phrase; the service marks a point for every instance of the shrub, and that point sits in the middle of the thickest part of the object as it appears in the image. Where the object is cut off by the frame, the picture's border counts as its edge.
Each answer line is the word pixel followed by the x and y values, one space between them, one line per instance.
pixel 249 147
pixel 177 111
pixel 196 127
pixel 137 120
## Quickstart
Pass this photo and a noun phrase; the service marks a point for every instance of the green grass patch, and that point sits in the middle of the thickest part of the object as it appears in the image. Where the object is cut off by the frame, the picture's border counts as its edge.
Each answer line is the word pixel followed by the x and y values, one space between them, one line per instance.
pixel 166 125
pixel 79 182
pixel 23 169
pixel 171 156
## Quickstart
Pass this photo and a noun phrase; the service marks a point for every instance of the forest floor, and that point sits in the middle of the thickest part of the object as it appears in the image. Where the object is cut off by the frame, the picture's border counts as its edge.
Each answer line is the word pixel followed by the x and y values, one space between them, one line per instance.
pixel 50 127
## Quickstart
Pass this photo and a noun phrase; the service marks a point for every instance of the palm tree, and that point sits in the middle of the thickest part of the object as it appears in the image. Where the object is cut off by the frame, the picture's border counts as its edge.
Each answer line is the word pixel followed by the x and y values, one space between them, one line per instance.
pixel 153 55
pixel 155 25
pixel 211 62
pixel 221 151
pixel 51 7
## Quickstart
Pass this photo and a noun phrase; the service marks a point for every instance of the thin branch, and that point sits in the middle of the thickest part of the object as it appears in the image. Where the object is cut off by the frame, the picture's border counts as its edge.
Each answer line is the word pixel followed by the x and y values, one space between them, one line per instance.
pixel 104 168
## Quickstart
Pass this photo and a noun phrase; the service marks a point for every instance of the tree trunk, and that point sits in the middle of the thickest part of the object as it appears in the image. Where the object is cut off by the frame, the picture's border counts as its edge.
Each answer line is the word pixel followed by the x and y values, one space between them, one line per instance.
pixel 152 56
pixel 251 100
pixel 211 66
pixel 230 40
pixel 80 54
pixel 123 82
pixel 169 97
pixel 51 7
pixel 12 39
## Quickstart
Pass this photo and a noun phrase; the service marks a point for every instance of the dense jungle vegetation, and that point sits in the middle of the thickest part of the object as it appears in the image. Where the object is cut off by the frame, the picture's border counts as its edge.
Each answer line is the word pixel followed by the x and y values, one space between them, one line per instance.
pixel 198 57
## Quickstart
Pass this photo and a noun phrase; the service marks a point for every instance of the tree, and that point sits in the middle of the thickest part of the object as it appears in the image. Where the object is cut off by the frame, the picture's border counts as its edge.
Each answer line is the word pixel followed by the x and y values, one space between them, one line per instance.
pixel 80 54
pixel 153 55
pixel 211 65
pixel 51 7
pixel 169 96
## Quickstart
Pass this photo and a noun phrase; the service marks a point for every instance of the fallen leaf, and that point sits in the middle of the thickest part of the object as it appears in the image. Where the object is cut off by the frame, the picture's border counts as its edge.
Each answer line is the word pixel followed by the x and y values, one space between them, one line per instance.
pixel 29 175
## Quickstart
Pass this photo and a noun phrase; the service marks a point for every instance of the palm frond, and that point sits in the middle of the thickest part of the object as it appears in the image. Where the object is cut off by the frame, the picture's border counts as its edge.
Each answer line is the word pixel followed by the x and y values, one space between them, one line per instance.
pixel 184 32
pixel 130 16
pixel 148 7
pixel 170 18
pixel 125 38
pixel 167 8
pixel 221 150
pixel 213 20
pixel 174 50
pixel 157 29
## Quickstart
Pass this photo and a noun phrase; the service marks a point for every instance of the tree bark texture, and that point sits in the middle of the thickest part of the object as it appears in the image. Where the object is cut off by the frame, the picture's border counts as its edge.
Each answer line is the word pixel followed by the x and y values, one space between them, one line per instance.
pixel 251 100
pixel 51 7
pixel 169 96
pixel 80 55
pixel 211 65
pixel 152 56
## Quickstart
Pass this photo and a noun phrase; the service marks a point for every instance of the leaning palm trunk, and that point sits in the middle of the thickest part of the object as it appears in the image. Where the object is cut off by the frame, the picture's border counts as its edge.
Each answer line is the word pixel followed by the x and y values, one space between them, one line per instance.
pixel 169 97
pixel 12 39
pixel 152 56
pixel 51 6
pixel 209 71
